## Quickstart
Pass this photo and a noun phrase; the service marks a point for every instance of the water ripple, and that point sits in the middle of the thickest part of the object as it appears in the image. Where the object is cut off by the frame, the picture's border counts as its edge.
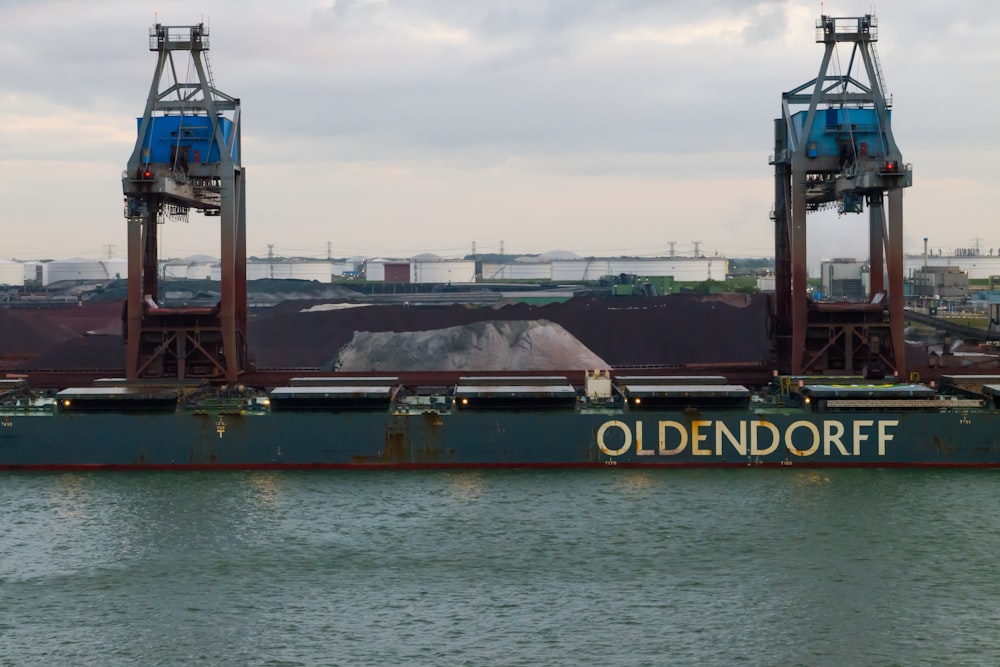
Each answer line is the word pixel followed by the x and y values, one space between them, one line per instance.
pixel 502 568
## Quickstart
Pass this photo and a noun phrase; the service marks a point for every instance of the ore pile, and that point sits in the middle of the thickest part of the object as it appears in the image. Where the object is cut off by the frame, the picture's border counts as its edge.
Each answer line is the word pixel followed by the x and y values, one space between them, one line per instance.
pixel 67 337
pixel 621 331
pixel 618 331
pixel 485 346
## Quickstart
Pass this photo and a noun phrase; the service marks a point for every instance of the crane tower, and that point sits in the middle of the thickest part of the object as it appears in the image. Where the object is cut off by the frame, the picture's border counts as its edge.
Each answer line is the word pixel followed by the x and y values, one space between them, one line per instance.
pixel 834 148
pixel 186 156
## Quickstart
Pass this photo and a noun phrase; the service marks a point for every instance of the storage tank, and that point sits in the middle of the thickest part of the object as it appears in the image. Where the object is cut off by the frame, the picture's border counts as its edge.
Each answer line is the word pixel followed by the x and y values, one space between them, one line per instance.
pixel 517 271
pixel 201 267
pixel 397 272
pixel 35 272
pixel 683 269
pixel 653 266
pixel 320 271
pixel 687 269
pixel 553 255
pixel 443 271
pixel 194 267
pixel 347 268
pixel 115 268
pixel 11 274
pixel 255 271
pixel 75 268
pixel 173 268
pixel 375 270
pixel 580 269
pixel 387 270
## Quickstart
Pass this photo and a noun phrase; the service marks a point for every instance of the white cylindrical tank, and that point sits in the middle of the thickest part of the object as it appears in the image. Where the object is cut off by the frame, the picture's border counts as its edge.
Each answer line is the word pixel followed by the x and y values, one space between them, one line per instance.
pixel 517 271
pixel 203 270
pixel 683 269
pixel 201 267
pixel 34 271
pixel 115 268
pixel 375 270
pixel 255 271
pixel 443 271
pixel 174 268
pixel 300 270
pixel 195 267
pixel 11 273
pixel 687 269
pixel 75 268
pixel 579 269
pixel 321 271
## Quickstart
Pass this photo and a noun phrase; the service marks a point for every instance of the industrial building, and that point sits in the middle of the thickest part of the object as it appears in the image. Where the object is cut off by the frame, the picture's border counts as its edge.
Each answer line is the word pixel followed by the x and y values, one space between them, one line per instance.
pixel 558 266
pixel 839 276
pixel 74 269
pixel 196 267
pixel 941 281
pixel 424 268
pixel 978 266
pixel 844 279
pixel 288 269
pixel 683 269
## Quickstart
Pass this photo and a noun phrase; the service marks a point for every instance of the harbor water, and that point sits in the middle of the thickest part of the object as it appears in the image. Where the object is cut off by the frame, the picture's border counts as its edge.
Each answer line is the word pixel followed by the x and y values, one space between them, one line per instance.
pixel 601 567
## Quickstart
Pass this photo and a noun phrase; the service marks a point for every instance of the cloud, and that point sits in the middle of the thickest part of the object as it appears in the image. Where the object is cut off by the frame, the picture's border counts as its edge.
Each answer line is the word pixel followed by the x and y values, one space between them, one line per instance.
pixel 516 104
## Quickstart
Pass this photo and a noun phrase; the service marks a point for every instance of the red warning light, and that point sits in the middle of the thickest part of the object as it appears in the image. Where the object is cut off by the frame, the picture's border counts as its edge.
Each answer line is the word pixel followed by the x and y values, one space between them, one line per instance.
pixel 890 165
pixel 146 174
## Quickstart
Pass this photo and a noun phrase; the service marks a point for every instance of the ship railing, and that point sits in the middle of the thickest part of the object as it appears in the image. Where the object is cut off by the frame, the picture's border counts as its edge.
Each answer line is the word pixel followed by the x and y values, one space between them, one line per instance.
pixel 904 404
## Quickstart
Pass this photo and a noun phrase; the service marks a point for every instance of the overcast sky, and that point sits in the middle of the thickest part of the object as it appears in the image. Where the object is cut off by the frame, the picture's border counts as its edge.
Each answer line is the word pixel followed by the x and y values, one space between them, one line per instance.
pixel 389 128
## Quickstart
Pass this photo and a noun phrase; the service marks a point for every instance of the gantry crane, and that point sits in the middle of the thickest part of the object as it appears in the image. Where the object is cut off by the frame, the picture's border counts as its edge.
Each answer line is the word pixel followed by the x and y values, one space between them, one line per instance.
pixel 186 156
pixel 834 148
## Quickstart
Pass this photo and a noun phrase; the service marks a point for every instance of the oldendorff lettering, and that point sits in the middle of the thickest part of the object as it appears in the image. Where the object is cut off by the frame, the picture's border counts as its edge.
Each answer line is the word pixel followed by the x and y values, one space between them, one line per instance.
pixel 697 437
pixel 708 437
pixel 722 431
pixel 832 433
pixel 858 435
pixel 604 429
pixel 809 426
pixel 638 442
pixel 755 447
pixel 681 444
pixel 884 437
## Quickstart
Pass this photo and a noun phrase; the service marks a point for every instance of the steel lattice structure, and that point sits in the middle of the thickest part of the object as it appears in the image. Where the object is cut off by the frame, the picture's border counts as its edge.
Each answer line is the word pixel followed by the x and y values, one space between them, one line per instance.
pixel 186 156
pixel 834 147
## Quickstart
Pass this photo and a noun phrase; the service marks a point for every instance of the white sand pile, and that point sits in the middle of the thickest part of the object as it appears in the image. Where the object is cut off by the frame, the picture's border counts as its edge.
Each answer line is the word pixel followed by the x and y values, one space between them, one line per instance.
pixel 481 346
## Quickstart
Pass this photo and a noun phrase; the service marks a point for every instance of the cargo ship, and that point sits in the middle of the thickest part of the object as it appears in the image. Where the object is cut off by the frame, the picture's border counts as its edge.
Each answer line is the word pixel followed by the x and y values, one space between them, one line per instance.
pixel 192 397
pixel 379 422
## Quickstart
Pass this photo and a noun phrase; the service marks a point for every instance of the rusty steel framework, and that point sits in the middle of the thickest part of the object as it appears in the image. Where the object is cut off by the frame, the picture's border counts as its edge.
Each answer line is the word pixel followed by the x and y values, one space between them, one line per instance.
pixel 834 148
pixel 186 156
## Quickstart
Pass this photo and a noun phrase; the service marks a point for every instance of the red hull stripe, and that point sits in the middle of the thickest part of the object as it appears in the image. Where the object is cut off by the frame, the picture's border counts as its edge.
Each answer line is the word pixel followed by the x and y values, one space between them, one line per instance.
pixel 93 467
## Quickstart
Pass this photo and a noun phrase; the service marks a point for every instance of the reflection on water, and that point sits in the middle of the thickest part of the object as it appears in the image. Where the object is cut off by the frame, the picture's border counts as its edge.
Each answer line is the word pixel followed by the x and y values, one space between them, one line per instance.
pixel 500 567
pixel 265 487
pixel 466 485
